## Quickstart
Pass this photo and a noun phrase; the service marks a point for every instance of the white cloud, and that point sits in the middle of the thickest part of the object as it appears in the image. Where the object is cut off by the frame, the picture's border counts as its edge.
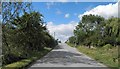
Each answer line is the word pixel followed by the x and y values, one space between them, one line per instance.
pixel 62 31
pixel 63 0
pixel 67 15
pixel 49 4
pixel 105 11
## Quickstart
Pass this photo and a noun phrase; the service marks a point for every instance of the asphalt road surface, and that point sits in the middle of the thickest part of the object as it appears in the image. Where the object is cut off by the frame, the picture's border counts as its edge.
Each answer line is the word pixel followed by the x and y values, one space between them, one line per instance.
pixel 65 56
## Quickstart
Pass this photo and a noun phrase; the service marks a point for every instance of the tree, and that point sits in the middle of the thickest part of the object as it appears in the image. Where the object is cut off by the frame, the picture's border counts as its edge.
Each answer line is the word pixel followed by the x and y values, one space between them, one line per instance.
pixel 94 30
pixel 10 11
pixel 87 27
pixel 112 29
pixel 23 32
pixel 72 39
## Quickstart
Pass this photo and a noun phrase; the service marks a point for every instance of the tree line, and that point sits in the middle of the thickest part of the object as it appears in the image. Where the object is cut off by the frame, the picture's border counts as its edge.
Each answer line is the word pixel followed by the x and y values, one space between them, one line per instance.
pixel 23 32
pixel 94 30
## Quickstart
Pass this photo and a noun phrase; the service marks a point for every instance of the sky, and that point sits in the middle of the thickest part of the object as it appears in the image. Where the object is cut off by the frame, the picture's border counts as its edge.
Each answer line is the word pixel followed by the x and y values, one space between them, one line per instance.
pixel 62 17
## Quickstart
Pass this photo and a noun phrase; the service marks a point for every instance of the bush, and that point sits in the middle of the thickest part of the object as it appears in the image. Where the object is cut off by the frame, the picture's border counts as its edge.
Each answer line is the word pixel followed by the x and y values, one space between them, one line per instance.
pixel 10 58
pixel 107 46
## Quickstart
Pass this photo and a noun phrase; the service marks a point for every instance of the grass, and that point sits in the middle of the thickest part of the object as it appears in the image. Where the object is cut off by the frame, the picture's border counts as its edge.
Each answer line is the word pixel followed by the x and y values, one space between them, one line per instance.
pixel 72 45
pixel 107 57
pixel 26 62
pixel 19 64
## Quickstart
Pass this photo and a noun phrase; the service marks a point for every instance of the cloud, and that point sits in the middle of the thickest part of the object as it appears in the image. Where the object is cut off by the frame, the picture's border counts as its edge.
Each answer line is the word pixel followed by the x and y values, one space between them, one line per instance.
pixel 68 1
pixel 67 15
pixel 62 31
pixel 63 0
pixel 49 4
pixel 105 11
pixel 89 7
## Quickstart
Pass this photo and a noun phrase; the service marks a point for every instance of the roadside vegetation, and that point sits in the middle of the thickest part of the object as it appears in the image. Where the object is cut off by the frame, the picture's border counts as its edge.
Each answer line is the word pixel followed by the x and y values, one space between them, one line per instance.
pixel 25 63
pixel 106 56
pixel 99 38
pixel 24 34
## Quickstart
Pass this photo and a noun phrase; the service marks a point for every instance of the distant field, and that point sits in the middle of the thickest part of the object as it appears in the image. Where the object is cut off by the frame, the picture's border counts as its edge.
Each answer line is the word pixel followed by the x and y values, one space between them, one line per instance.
pixel 107 57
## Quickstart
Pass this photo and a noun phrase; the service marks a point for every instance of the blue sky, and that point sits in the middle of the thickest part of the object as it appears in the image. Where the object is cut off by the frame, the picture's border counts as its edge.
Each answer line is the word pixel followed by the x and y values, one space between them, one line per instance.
pixel 62 17
pixel 55 12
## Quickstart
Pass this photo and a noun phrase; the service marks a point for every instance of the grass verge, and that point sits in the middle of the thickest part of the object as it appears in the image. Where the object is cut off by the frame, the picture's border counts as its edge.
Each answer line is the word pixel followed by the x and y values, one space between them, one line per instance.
pixel 72 45
pixel 22 64
pixel 107 57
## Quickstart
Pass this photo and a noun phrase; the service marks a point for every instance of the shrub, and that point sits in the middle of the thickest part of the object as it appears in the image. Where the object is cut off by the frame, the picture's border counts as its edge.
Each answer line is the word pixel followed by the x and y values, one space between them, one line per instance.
pixel 10 58
pixel 107 46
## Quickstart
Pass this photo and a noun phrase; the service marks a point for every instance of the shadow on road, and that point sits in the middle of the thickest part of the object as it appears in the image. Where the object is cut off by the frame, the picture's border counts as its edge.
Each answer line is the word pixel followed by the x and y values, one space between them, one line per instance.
pixel 64 57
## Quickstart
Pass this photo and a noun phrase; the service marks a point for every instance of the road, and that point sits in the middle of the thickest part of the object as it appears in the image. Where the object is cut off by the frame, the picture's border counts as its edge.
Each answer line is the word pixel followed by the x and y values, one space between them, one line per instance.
pixel 66 56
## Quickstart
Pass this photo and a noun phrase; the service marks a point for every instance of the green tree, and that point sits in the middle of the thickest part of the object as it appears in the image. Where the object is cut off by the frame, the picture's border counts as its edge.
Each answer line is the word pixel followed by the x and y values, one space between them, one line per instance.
pixel 72 39
pixel 10 11
pixel 23 32
pixel 112 29
pixel 96 31
pixel 87 27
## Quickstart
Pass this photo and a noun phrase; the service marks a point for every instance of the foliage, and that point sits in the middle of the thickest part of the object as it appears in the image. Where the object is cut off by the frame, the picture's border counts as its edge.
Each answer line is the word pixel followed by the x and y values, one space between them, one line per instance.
pixel 72 39
pixel 100 33
pixel 11 10
pixel 24 63
pixel 94 30
pixel 107 46
pixel 23 32
pixel 107 57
